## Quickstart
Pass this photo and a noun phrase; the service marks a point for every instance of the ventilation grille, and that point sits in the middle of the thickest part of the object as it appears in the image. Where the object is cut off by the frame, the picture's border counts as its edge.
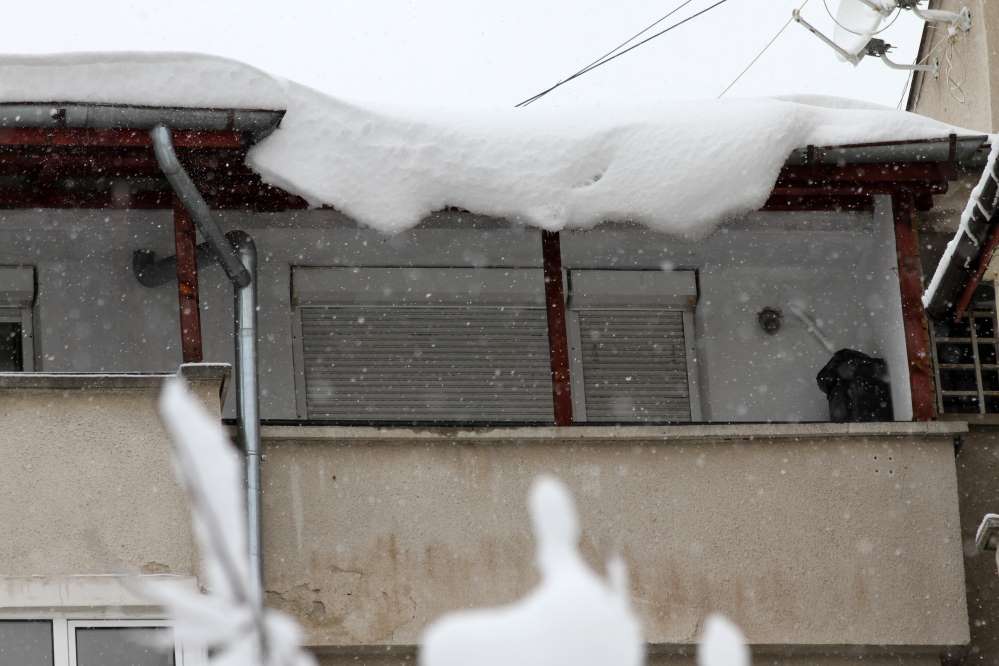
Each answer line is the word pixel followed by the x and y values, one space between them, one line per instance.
pixel 427 363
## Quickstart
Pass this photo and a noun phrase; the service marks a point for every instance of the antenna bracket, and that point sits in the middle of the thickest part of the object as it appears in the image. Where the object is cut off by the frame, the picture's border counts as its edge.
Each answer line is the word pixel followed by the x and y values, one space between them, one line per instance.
pixel 846 55
pixel 958 20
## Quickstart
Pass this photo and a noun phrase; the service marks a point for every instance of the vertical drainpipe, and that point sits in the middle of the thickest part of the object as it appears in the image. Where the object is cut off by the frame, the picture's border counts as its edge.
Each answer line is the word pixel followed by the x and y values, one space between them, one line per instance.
pixel 237 254
pixel 248 409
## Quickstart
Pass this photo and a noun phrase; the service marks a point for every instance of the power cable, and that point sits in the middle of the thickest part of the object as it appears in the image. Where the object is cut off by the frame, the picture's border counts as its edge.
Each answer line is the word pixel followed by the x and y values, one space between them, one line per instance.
pixel 635 36
pixel 531 100
pixel 760 54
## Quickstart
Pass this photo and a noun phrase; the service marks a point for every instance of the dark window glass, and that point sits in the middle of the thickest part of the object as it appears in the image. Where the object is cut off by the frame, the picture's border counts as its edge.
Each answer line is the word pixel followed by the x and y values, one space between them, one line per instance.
pixel 985 327
pixel 960 404
pixel 124 646
pixel 955 352
pixel 987 354
pixel 953 329
pixel 11 359
pixel 958 380
pixel 25 643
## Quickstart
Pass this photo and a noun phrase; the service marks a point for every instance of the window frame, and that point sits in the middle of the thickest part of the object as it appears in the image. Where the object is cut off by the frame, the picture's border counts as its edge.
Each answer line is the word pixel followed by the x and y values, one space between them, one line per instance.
pixel 71 626
pixel 24 316
pixel 64 624
pixel 973 311
pixel 17 299
pixel 72 602
pixel 402 286
pixel 653 290
pixel 629 289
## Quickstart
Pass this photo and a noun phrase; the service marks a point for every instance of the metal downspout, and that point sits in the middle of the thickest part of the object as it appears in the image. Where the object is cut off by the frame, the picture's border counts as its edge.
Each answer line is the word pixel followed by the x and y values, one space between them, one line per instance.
pixel 238 255
pixel 248 408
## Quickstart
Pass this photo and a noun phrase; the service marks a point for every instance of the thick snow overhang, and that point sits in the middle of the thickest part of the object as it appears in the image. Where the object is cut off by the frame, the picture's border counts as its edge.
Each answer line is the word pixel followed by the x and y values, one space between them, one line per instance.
pixel 84 155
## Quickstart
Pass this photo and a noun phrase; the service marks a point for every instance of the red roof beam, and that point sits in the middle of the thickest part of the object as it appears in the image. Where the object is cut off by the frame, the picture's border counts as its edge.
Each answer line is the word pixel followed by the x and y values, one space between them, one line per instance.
pixel 196 139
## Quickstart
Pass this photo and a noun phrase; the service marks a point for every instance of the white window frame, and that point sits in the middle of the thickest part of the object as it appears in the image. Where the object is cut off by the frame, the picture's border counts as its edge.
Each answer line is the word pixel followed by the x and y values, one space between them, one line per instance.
pixel 73 625
pixel 74 602
pixel 65 623
pixel 651 290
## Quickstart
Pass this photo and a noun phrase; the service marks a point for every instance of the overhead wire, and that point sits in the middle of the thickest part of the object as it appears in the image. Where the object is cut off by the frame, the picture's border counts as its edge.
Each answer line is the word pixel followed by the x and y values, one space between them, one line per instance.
pixel 635 36
pixel 604 61
pixel 760 54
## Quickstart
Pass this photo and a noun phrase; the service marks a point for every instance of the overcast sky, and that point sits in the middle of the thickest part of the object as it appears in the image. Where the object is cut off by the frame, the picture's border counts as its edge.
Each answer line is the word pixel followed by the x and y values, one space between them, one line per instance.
pixel 469 53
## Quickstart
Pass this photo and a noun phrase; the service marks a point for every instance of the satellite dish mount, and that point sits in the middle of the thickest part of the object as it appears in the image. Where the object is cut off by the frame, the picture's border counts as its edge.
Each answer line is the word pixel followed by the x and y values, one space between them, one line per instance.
pixel 858 21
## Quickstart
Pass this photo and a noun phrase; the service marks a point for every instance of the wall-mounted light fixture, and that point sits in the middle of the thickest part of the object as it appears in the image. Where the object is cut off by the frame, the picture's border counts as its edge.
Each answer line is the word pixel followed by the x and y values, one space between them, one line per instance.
pixel 770 319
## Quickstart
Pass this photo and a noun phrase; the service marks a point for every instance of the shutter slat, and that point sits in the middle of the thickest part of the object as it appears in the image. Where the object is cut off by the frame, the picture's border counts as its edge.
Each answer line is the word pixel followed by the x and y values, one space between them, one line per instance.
pixel 634 365
pixel 427 363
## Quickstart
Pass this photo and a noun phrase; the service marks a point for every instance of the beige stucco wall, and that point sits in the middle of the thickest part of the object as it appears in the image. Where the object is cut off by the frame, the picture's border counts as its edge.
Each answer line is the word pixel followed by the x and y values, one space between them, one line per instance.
pixel 973 63
pixel 804 535
pixel 86 484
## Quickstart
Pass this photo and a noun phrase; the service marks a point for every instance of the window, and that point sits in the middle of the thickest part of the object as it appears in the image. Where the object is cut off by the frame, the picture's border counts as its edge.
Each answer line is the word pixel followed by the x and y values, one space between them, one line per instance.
pixel 632 340
pixel 384 344
pixel 62 641
pixel 17 291
pixel 965 358
pixel 471 345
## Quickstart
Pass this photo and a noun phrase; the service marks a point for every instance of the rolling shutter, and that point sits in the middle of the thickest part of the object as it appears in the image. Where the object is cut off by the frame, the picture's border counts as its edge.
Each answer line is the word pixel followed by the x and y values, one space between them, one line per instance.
pixel 634 365
pixel 437 363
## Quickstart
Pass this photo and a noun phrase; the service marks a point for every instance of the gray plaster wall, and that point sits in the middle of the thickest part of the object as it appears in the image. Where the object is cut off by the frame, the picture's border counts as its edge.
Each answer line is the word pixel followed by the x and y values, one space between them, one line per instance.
pixel 92 316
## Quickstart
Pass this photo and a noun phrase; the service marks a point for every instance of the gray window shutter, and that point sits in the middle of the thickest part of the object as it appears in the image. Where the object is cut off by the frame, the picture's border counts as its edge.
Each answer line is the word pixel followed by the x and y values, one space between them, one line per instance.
pixel 438 363
pixel 634 365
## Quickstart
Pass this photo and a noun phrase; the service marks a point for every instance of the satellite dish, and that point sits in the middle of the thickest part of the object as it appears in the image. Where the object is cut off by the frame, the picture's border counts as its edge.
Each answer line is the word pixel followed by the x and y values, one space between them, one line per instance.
pixel 858 21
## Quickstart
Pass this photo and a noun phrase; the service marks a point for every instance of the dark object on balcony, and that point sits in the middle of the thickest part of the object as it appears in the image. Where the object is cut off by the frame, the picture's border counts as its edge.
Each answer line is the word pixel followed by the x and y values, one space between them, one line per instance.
pixel 857 387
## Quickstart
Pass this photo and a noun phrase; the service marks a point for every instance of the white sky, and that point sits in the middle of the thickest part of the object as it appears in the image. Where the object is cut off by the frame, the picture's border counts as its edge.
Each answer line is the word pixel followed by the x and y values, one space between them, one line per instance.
pixel 460 53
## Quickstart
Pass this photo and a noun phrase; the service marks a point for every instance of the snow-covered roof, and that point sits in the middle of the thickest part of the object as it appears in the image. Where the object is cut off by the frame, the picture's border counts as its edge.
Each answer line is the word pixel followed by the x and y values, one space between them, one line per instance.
pixel 680 168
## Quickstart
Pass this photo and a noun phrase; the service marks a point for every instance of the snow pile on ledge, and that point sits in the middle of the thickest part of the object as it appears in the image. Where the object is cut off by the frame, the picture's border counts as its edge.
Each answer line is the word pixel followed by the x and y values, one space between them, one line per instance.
pixel 681 168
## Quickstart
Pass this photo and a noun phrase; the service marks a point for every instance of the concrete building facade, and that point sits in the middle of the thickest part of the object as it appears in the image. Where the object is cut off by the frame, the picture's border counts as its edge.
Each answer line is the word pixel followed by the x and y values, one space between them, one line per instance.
pixel 721 481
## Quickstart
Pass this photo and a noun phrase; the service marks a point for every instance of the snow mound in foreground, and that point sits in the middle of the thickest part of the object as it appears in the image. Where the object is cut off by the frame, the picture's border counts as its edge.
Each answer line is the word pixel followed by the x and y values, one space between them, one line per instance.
pixel 722 644
pixel 680 168
pixel 573 617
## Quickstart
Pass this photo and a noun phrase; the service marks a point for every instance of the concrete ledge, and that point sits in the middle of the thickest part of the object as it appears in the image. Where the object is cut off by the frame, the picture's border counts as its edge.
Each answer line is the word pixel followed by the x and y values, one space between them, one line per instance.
pixel 192 372
pixel 617 434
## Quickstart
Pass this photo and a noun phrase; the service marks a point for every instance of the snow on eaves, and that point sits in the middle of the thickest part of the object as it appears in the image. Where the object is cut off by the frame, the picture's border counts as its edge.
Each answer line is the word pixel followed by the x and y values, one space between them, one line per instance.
pixel 680 168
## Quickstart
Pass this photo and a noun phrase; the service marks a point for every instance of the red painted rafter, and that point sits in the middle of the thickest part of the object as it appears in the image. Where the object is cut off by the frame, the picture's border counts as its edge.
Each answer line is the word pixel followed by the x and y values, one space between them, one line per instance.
pixel 910 279
pixel 123 138
pixel 185 242
pixel 930 175
pixel 558 339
